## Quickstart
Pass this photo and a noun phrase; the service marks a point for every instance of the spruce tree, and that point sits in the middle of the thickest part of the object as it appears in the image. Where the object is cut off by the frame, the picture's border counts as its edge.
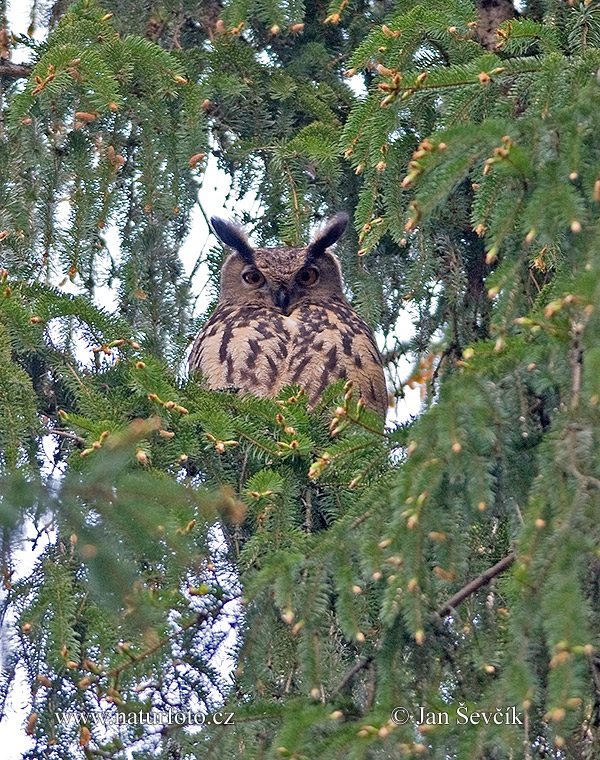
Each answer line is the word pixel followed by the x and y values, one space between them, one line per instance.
pixel 210 553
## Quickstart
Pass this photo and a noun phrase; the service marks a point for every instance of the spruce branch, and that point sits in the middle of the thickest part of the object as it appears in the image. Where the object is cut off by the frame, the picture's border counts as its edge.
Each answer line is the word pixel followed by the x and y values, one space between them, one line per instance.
pixel 482 579
pixel 66 434
pixel 199 620
pixel 352 672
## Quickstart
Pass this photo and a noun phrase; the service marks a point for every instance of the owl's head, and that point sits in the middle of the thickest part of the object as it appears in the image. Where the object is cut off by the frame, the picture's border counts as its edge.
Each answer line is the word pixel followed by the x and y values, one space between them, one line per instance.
pixel 280 278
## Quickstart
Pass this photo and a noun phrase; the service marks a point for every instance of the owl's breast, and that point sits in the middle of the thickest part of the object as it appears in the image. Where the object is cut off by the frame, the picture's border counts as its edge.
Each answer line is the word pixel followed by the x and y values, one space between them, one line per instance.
pixel 244 347
pixel 331 341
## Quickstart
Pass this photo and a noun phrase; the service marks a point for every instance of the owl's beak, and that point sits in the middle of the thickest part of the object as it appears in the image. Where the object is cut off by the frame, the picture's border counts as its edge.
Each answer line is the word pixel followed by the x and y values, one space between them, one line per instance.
pixel 281 298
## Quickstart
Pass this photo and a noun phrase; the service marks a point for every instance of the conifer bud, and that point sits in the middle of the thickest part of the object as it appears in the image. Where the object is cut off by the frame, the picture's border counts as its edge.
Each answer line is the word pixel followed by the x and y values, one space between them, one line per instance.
pixel 388 32
pixel 420 636
pixel 44 681
pixel 195 159
pixel 360 636
pixel 377 576
pixel 492 255
pixel 288 616
pixel 412 521
pixel 296 28
pixel 31 721
pixel 435 536
pixel 85 116
pixel 575 226
pixel 384 71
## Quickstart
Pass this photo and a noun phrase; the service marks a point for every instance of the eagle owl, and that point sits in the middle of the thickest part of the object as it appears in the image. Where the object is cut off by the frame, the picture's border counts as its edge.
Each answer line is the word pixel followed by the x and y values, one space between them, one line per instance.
pixel 282 319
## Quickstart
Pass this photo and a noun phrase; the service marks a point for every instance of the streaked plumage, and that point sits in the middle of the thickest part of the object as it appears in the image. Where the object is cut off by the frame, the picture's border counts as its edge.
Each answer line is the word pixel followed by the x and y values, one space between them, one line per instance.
pixel 282 318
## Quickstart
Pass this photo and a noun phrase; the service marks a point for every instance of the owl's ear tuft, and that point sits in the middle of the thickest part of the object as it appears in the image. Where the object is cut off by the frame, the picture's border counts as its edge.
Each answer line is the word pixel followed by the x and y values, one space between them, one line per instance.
pixel 230 234
pixel 332 231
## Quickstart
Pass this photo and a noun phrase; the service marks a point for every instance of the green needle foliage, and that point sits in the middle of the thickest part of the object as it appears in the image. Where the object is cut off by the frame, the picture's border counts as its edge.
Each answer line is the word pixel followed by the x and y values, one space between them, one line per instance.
pixel 307 571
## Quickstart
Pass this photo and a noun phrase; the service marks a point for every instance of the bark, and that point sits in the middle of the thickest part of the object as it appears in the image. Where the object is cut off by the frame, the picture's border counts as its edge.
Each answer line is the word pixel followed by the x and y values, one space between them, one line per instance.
pixel 491 14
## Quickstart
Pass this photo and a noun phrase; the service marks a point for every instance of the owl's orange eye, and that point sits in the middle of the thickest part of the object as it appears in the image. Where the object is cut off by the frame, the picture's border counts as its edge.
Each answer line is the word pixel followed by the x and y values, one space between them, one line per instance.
pixel 308 276
pixel 253 277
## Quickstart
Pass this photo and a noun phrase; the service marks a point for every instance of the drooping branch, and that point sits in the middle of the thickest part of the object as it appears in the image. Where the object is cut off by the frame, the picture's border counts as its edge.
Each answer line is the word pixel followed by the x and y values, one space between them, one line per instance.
pixel 349 675
pixel 481 580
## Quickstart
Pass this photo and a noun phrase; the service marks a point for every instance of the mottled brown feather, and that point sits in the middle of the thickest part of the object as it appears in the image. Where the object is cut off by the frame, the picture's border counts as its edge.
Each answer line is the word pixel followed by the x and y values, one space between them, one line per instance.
pixel 258 343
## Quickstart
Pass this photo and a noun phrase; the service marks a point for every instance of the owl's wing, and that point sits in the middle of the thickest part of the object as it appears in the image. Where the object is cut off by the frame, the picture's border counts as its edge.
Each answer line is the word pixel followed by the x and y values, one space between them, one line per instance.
pixel 243 347
pixel 333 342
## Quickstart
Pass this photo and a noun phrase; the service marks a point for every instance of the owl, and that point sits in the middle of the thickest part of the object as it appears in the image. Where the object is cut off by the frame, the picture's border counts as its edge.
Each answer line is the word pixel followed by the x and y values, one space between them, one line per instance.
pixel 282 319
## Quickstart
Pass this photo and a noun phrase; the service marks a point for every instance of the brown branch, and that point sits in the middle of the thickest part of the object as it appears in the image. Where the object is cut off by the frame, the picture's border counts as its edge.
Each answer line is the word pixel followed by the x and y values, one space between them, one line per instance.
pixel 199 620
pixel 9 70
pixel 576 365
pixel 481 580
pixel 65 434
pixel 364 663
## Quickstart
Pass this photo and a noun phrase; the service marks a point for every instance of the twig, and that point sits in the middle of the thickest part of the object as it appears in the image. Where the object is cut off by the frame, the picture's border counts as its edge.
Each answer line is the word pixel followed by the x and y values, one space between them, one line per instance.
pixel 65 434
pixel 201 618
pixel 577 366
pixel 475 584
pixel 349 675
